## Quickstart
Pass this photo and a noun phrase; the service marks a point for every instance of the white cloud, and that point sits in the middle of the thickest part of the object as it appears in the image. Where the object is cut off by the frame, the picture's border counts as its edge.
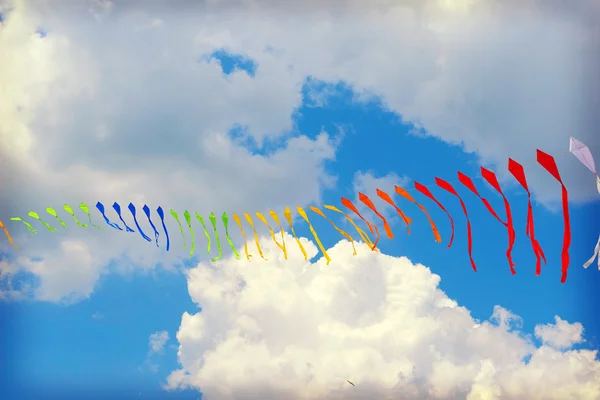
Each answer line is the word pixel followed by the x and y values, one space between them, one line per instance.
pixel 157 341
pixel 88 122
pixel 560 335
pixel 106 108
pixel 299 330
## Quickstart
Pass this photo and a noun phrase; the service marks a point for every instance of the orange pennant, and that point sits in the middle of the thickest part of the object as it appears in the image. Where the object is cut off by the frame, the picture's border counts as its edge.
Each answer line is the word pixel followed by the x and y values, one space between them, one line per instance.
pixel 348 204
pixel 366 201
pixel 8 235
pixel 404 193
pixel 386 197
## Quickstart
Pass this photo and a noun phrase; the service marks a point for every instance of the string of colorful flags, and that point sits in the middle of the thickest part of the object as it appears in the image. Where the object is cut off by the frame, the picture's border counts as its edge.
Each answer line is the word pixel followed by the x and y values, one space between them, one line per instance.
pixel 578 149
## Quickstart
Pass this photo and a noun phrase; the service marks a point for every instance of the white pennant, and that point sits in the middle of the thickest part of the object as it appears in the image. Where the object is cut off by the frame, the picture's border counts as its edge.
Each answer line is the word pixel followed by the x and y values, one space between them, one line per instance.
pixel 591 260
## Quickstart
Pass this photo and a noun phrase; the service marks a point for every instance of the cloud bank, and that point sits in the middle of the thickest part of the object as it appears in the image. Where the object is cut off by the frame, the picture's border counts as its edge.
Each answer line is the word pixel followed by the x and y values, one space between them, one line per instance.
pixel 300 330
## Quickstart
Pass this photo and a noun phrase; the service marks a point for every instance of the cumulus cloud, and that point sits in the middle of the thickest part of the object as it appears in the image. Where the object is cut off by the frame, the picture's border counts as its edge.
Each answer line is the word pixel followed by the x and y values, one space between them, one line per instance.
pixel 560 335
pixel 119 102
pixel 300 330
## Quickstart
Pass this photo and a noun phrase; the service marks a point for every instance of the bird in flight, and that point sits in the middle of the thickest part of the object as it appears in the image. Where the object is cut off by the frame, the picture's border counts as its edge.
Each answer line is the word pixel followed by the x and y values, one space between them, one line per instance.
pixel 350 382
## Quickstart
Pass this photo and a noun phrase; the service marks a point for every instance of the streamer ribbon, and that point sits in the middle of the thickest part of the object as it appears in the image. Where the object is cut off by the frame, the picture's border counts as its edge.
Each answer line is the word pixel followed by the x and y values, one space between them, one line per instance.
pixel 239 223
pixel 176 217
pixel 133 213
pixel 314 233
pixel 596 254
pixel 281 246
pixel 363 235
pixel 549 164
pixel 366 201
pixel 35 215
pixel 447 187
pixel 249 219
pixel 117 207
pixel 188 219
pixel 27 224
pixel 100 208
pixel 146 210
pixel 518 173
pixel 404 193
pixel 199 217
pixel 275 217
pixel 425 191
pixel 226 223
pixel 386 197
pixel 52 212
pixel 317 211
pixel 490 177
pixel 288 216
pixel 213 221
pixel 348 204
pixel 8 235
pixel 68 209
pixel 86 210
pixel 161 214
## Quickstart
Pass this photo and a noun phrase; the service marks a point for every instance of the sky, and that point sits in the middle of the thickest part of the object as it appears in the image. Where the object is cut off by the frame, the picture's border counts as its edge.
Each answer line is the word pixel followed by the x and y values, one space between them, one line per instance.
pixel 235 106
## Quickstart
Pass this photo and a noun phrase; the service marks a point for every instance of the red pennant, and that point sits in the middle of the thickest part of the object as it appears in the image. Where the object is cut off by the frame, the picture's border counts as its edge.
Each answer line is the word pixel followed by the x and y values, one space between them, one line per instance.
pixel 518 172
pixel 446 186
pixel 386 197
pixel 491 178
pixel 549 164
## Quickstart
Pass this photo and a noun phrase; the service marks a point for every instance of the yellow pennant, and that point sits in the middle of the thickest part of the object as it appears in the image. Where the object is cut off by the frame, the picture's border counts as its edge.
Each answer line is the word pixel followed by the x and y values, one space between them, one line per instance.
pixel 281 246
pixel 363 235
pixel 288 216
pixel 249 219
pixel 239 223
pixel 312 230
pixel 317 211
pixel 275 217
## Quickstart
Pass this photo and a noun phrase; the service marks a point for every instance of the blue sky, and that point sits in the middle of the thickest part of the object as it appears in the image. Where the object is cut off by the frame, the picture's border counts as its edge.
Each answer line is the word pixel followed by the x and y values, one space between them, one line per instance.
pixel 99 343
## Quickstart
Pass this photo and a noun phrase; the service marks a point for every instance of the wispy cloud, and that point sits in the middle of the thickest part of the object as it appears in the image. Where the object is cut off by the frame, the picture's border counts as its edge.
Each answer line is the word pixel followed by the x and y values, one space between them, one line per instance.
pixel 157 342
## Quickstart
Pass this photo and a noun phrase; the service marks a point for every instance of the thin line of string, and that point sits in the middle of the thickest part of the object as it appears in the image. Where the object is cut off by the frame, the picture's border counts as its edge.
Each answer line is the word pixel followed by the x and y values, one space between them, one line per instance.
pixel 479 176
